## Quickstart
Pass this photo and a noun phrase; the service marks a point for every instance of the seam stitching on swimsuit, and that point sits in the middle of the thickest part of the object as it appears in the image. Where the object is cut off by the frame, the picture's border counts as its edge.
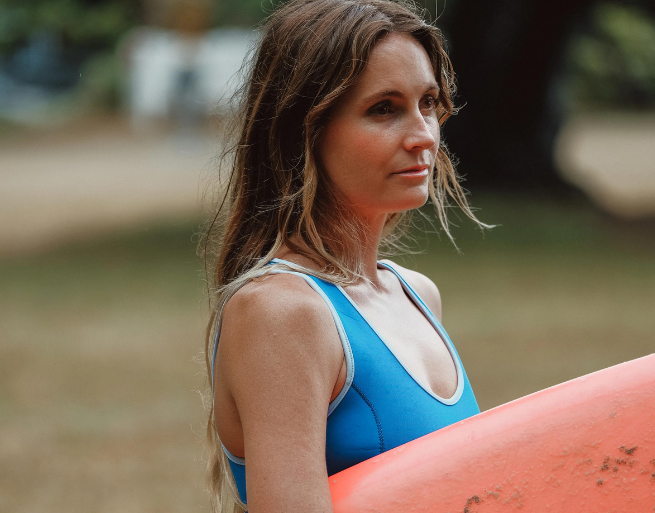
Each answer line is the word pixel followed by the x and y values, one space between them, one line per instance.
pixel 375 415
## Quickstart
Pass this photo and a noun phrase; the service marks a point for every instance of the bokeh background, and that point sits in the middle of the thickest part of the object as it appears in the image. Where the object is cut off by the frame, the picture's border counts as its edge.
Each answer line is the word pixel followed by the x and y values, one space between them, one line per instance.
pixel 110 115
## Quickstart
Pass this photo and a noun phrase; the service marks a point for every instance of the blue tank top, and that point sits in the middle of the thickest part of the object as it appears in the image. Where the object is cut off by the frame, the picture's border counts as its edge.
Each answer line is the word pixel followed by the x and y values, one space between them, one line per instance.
pixel 382 405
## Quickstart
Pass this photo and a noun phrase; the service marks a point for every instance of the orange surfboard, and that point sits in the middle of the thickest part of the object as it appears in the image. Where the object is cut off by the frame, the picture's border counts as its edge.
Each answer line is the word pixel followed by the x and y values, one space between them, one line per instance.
pixel 587 445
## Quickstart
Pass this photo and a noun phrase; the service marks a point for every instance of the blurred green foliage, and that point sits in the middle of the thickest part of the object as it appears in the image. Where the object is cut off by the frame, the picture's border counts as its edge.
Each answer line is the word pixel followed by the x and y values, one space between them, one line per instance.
pixel 242 12
pixel 101 82
pixel 87 32
pixel 94 27
pixel 613 63
pixel 251 12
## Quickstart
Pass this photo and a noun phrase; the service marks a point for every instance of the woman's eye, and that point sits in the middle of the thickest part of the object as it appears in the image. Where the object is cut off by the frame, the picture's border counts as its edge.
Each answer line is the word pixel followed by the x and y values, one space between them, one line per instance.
pixel 381 109
pixel 430 102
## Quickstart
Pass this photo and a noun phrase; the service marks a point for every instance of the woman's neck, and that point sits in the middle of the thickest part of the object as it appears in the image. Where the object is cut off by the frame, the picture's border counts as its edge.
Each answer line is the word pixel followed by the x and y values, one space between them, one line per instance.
pixel 368 249
pixel 366 252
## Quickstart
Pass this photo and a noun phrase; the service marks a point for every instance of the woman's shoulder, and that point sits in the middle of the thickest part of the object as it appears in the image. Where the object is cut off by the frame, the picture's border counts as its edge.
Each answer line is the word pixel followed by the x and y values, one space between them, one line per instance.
pixel 275 297
pixel 274 326
pixel 278 313
pixel 422 285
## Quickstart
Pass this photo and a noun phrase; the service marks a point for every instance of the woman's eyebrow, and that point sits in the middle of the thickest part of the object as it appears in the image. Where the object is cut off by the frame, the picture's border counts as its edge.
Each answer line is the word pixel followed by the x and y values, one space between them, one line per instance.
pixel 394 93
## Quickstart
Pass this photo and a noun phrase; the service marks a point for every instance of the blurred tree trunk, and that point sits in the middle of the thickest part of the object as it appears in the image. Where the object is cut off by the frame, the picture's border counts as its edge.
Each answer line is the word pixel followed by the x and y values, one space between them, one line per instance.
pixel 507 56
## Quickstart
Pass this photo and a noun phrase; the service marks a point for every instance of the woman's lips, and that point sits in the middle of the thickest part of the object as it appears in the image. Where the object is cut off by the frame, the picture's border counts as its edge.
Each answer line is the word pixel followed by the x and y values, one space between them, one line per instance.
pixel 418 171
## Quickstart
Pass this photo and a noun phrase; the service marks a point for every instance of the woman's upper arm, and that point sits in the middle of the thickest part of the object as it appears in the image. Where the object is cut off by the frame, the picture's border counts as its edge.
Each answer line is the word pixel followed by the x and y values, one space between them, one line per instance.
pixel 281 355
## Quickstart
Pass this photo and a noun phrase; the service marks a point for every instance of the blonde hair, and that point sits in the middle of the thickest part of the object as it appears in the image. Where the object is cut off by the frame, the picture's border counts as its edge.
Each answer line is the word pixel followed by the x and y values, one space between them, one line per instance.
pixel 277 195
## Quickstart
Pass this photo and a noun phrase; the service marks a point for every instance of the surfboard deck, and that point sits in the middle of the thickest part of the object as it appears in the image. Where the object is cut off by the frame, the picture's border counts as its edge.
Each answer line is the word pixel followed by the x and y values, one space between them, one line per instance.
pixel 586 445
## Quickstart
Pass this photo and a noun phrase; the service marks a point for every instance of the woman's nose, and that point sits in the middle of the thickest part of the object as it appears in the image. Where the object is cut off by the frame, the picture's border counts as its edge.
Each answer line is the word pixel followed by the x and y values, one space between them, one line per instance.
pixel 422 133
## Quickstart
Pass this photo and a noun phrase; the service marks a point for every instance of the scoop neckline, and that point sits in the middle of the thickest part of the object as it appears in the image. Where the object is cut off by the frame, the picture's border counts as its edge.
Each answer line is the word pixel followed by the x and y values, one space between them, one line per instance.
pixel 441 333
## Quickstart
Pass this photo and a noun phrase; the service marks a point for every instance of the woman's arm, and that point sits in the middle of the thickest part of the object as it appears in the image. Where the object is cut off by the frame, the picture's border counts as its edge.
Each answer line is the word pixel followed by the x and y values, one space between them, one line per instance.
pixel 280 356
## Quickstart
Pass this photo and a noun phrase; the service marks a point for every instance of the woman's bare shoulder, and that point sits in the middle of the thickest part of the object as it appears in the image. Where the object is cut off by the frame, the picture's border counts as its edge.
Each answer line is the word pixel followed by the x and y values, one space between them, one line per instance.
pixel 423 286
pixel 278 317
pixel 279 297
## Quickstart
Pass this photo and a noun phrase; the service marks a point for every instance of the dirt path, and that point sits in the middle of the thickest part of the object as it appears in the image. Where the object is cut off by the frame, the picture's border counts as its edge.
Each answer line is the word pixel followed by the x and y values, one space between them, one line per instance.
pixel 612 158
pixel 95 176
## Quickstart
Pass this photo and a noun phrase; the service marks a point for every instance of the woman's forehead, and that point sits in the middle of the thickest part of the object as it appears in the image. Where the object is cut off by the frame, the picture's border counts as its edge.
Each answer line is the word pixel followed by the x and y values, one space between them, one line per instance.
pixel 398 63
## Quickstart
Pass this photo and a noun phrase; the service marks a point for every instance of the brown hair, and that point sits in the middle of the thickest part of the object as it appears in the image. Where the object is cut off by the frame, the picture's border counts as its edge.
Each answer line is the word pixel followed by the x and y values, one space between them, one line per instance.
pixel 311 51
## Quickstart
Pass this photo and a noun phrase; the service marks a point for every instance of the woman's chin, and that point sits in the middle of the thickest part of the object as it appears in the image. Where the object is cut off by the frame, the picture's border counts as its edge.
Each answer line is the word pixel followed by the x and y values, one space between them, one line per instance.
pixel 409 200
pixel 416 199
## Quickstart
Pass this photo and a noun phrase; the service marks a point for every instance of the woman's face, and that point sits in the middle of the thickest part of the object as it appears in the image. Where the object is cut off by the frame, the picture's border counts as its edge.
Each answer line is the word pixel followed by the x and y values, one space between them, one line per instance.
pixel 382 137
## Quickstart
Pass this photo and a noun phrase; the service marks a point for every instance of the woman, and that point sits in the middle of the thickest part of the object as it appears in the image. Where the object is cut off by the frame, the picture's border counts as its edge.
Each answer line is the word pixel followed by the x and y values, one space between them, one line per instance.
pixel 328 357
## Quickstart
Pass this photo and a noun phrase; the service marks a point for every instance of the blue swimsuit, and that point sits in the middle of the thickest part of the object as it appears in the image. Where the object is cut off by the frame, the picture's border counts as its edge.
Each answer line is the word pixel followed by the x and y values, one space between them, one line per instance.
pixel 381 405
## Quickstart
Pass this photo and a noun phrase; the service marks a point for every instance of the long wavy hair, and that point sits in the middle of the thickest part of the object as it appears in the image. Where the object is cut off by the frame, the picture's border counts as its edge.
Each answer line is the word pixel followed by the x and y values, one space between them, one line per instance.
pixel 276 193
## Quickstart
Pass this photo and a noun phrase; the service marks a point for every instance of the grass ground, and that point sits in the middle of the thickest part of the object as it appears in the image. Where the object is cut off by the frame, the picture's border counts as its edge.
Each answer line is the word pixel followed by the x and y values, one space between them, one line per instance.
pixel 98 379
pixel 98 387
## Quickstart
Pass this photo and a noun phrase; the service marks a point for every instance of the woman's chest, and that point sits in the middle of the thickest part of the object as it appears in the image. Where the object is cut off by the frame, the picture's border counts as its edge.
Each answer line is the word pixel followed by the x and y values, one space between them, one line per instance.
pixel 415 342
pixel 385 405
